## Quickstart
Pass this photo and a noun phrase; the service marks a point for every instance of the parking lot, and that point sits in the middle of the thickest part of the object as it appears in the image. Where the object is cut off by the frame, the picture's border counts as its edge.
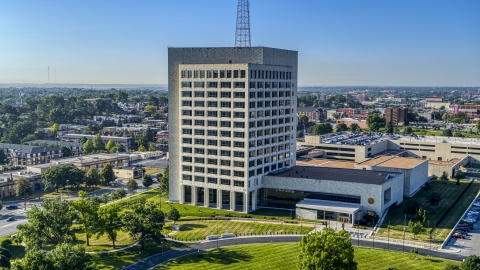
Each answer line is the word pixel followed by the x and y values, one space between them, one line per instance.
pixel 471 243
pixel 156 162
pixel 360 138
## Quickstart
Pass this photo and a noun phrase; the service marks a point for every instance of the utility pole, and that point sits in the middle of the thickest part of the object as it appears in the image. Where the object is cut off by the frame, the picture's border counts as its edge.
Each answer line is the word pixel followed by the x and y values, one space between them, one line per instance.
pixel 404 229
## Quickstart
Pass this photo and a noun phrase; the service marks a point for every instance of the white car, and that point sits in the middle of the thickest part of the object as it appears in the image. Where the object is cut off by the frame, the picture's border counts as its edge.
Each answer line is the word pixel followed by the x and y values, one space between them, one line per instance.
pixel 476 204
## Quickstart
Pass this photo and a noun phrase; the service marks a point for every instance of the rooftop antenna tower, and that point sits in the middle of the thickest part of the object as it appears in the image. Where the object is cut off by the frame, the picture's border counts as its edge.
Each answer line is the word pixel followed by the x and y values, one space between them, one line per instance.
pixel 242 35
pixel 48 69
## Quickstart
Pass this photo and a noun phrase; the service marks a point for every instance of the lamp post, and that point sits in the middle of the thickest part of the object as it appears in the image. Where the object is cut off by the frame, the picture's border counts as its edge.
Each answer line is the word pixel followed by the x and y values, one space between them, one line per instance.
pixel 404 229
pixel 373 234
pixel 217 237
pixel 388 239
pixel 358 233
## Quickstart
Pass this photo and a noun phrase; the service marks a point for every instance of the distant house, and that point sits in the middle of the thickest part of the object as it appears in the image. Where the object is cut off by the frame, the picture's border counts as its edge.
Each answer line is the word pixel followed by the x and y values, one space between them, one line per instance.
pixel 26 155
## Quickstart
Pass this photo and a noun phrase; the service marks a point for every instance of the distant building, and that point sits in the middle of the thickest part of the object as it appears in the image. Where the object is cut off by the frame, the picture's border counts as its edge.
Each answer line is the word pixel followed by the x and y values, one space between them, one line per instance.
pixel 396 115
pixel 466 95
pixel 349 121
pixel 348 112
pixel 313 114
pixel 321 96
pixel 127 142
pixel 436 103
pixel 92 100
pixel 25 155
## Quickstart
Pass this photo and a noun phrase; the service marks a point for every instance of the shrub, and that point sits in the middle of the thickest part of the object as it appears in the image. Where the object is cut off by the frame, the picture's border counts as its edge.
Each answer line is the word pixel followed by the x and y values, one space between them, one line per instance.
pixel 6 244
pixel 411 207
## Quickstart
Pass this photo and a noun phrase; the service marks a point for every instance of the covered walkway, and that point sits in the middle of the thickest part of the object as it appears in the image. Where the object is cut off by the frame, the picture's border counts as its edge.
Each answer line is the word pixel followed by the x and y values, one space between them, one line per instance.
pixel 328 210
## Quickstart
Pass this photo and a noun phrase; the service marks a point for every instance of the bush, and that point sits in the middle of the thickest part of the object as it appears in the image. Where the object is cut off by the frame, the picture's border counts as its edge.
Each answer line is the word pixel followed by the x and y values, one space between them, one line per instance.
pixel 452 267
pixel 6 244
pixel 363 222
pixel 371 216
pixel 412 207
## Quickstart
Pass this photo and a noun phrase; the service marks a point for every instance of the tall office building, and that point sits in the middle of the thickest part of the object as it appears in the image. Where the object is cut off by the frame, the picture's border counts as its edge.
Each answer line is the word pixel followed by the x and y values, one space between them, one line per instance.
pixel 232 120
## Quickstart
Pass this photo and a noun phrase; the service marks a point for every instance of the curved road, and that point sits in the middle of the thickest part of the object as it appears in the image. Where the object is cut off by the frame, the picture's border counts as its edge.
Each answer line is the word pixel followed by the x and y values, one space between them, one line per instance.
pixel 159 258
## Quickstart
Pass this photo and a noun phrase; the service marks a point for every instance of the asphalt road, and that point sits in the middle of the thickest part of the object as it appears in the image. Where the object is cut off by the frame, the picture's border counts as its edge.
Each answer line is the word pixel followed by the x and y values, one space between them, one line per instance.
pixel 157 162
pixel 160 258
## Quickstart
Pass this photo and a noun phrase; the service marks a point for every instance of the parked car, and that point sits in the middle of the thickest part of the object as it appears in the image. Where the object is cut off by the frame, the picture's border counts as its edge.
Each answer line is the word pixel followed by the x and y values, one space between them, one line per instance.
pixel 461 232
pixel 11 207
pixel 476 204
pixel 458 235
pixel 10 219
pixel 463 229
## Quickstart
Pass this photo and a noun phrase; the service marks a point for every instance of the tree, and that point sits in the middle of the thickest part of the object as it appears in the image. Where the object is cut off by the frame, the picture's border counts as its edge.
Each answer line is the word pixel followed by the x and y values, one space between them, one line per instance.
pixel 164 181
pixel 411 207
pixel 422 215
pixel 110 144
pixel 444 176
pixel 87 213
pixel 141 140
pixel 174 215
pixel 433 198
pixel 98 143
pixel 54 129
pixel 84 140
pixel 121 96
pixel 50 224
pixel 375 122
pixel 143 221
pixel 142 148
pixel 152 147
pixel 4 261
pixel 147 181
pixel 355 127
pixel 107 175
pixel 416 228
pixel 56 176
pixel 150 108
pixel 472 262
pixel 477 126
pixel 88 147
pixel 341 127
pixel 75 176
pixel 132 185
pixel 92 178
pixel 326 250
pixel 447 132
pixel 299 134
pixel 452 267
pixel 320 129
pixel 109 221
pixel 459 175
pixel 407 130
pixel 118 194
pixel 23 187
pixel 389 127
pixel 66 152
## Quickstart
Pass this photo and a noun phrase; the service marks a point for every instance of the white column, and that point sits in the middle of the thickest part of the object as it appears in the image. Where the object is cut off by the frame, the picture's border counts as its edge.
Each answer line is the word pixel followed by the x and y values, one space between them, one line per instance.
pixel 194 195
pixel 219 198
pixel 205 197
pixel 254 200
pixel 232 200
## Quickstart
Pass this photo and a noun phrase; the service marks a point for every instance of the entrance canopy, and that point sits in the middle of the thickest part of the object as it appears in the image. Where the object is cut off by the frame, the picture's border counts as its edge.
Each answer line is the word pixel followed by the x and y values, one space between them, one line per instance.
pixel 331 206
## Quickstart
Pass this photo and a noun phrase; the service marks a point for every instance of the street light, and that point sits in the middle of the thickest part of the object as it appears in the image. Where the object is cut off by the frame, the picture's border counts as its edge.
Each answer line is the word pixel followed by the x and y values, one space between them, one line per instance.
pixel 388 241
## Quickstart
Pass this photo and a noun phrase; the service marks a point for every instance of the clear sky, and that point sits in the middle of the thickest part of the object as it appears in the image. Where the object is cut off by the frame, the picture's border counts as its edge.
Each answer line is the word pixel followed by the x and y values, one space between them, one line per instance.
pixel 368 42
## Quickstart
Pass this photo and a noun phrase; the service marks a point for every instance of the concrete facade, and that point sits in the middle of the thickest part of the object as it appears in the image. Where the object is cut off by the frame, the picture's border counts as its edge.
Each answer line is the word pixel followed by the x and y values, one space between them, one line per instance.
pixel 227 157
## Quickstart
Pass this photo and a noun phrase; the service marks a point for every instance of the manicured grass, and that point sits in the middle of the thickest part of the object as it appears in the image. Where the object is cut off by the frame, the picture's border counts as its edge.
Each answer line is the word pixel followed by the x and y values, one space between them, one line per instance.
pixel 117 260
pixel 44 194
pixel 449 192
pixel 284 256
pixel 199 230
pixel 17 250
pixel 103 243
pixel 153 171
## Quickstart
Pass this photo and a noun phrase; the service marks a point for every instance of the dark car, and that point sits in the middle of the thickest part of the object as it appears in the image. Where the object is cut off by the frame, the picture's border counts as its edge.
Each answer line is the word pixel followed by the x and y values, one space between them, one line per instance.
pixel 458 235
pixel 11 207
pixel 10 219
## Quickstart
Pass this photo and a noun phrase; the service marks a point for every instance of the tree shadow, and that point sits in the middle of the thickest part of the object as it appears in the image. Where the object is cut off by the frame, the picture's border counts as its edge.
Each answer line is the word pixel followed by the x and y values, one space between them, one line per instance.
pixel 433 260
pixel 220 256
pixel 189 227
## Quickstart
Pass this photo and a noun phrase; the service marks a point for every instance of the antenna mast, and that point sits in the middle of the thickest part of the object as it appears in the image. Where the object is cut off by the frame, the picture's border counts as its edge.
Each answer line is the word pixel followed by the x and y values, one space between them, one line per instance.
pixel 48 68
pixel 242 34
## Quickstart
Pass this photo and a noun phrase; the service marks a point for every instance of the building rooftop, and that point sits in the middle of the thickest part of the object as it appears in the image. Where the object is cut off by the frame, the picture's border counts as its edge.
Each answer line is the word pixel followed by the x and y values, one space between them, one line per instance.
pixel 374 161
pixel 330 163
pixel 338 174
pixel 402 162
pixel 27 149
pixel 439 139
pixel 447 163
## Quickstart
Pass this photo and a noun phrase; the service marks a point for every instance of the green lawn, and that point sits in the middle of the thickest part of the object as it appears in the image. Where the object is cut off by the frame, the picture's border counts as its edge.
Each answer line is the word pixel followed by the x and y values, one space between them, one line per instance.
pixel 117 260
pixel 153 171
pixel 199 230
pixel 284 256
pixel 103 243
pixel 449 192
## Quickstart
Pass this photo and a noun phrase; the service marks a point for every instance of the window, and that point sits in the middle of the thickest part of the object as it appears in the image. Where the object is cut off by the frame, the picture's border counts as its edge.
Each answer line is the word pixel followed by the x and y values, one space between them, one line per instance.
pixel 212 142
pixel 238 115
pixel 199 94
pixel 202 73
pixel 212 161
pixel 225 172
pixel 199 84
pixel 213 152
pixel 199 178
pixel 212 133
pixel 239 164
pixel 189 74
pixel 215 74
pixel 229 74
pixel 200 141
pixel 186 122
pixel 238 183
pixel 199 132
pixel 186 168
pixel 199 113
pixel 187 131
pixel 239 144
pixel 225 144
pixel 239 105
pixel 235 74
pixel 239 85
pixel 238 94
pixel 186 150
pixel 238 154
pixel 239 134
pixel 212 104
pixel 186 177
pixel 187 159
pixel 199 103
pixel 224 182
pixel 238 124
pixel 212 84
pixel 225 84
pixel 212 123
pixel 187 84
pixel 199 160
pixel 226 114
pixel 212 113
pixel 195 73
pixel 225 153
pixel 187 140
pixel 225 104
pixel 212 180
pixel 212 94
pixel 187 103
pixel 199 122
pixel 209 74
pixel 252 85
pixel 242 73
pixel 225 133
pixel 225 94
pixel 225 123
pixel 222 73
pixel 187 112
pixel 238 173
pixel 199 169
pixel 184 74
pixel 186 93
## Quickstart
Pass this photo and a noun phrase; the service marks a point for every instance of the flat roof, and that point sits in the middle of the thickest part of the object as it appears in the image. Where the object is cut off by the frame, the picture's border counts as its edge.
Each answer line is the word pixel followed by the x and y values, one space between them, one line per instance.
pixel 331 163
pixel 444 163
pixel 375 161
pixel 438 139
pixel 337 174
pixel 339 207
pixel 402 162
